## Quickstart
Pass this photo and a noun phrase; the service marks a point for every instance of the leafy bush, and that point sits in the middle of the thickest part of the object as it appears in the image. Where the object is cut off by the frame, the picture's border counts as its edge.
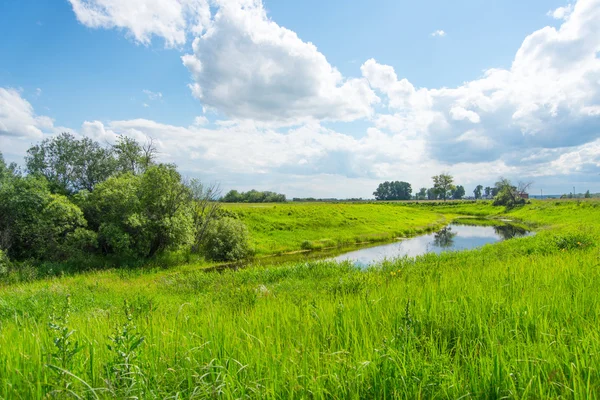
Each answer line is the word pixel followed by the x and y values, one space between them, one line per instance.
pixel 4 263
pixel 227 240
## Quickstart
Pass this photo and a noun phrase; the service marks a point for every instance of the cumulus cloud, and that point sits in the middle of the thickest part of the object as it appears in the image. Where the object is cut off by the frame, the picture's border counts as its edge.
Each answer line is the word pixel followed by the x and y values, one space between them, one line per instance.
pixel 540 117
pixel 561 12
pixel 17 117
pixel 438 33
pixel 143 19
pixel 248 67
pixel 549 97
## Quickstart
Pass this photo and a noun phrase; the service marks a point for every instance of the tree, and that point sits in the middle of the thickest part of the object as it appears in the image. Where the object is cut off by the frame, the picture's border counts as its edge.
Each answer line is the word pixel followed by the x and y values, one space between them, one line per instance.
pixel 422 194
pixel 509 195
pixel 395 190
pixel 487 191
pixel 205 209
pixel 458 192
pixel 133 157
pixel 432 194
pixel 253 196
pixel 587 195
pixel 140 215
pixel 442 183
pixel 477 192
pixel 34 223
pixel 70 164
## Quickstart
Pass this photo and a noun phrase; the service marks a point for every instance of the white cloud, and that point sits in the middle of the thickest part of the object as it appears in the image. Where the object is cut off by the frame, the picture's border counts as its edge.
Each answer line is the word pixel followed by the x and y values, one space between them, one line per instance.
pixel 561 12
pixel 143 19
pixel 248 67
pixel 17 117
pixel 438 33
pixel 540 117
pixel 549 98
pixel 152 95
pixel 200 121
pixel 459 113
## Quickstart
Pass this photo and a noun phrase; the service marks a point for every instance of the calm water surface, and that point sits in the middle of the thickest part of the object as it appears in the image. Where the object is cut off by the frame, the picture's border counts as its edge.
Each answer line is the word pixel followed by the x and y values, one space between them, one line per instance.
pixel 452 238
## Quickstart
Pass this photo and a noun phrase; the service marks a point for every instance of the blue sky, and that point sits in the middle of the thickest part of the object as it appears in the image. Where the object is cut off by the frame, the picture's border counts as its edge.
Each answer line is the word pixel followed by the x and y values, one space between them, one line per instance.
pixel 315 98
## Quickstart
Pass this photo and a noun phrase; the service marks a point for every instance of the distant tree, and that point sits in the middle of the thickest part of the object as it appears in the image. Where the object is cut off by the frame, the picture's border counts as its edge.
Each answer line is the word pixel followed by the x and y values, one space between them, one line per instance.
pixel 432 194
pixel 477 192
pixel 253 196
pixel 487 191
pixel 442 183
pixel 587 195
pixel 422 194
pixel 458 192
pixel 509 195
pixel 395 190
pixel 233 196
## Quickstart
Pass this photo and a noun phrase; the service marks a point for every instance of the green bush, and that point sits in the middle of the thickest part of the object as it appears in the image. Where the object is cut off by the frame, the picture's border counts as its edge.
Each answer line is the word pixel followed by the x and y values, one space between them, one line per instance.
pixel 226 240
pixel 4 263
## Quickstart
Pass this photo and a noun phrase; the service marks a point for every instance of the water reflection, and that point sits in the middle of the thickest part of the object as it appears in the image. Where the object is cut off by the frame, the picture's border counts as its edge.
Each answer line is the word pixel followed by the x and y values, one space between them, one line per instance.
pixel 453 237
pixel 444 238
pixel 510 231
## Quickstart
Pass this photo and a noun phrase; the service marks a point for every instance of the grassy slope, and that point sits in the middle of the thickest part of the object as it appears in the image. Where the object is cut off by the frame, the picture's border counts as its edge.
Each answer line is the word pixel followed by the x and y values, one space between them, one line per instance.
pixel 277 228
pixel 517 319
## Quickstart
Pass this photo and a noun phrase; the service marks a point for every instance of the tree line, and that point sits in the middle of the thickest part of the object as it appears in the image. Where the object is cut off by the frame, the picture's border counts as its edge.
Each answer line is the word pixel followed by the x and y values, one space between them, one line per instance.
pixel 503 192
pixel 77 199
pixel 443 189
pixel 253 196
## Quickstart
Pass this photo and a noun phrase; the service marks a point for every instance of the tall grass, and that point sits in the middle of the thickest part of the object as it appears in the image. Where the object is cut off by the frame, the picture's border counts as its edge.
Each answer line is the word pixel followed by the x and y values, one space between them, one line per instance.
pixel 517 319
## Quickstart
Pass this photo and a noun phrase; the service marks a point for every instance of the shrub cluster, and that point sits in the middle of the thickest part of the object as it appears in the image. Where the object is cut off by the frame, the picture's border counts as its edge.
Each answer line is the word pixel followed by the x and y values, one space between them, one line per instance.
pixel 77 199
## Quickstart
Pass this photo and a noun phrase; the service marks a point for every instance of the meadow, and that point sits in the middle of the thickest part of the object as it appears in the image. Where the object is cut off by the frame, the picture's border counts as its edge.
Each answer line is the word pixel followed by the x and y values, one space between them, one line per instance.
pixel 517 319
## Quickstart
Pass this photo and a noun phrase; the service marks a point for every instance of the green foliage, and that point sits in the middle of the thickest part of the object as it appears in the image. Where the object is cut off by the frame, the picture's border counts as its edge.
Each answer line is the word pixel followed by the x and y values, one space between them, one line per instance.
pixel 508 195
pixel 458 192
pixel 422 194
pixel 395 190
pixel 36 223
pixel 226 239
pixel 253 196
pixel 477 192
pixel 4 263
pixel 65 349
pixel 125 376
pixel 70 164
pixel 442 184
pixel 140 215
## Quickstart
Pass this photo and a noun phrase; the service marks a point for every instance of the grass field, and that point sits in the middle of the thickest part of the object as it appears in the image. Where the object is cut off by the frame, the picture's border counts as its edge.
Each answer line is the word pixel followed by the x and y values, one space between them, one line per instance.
pixel 278 228
pixel 517 319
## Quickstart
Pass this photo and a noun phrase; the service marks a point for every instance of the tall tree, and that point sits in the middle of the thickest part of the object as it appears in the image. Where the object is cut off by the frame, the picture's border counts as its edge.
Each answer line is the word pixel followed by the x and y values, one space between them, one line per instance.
pixel 442 183
pixel 477 192
pixel 422 194
pixel 70 164
pixel 395 190
pixel 432 194
pixel 509 195
pixel 458 192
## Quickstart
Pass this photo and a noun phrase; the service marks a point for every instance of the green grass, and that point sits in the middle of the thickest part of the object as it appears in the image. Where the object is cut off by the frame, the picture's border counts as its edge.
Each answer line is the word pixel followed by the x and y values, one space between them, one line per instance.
pixel 278 228
pixel 517 319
